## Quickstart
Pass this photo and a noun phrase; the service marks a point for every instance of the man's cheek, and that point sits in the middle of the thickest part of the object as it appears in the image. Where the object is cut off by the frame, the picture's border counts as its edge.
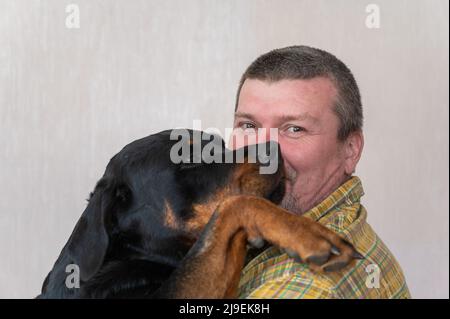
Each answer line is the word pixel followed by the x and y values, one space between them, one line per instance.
pixel 293 158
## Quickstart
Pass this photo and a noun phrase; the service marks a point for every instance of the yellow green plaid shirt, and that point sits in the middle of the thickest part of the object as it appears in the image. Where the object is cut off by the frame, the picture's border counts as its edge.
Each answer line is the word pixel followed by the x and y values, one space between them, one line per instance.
pixel 273 274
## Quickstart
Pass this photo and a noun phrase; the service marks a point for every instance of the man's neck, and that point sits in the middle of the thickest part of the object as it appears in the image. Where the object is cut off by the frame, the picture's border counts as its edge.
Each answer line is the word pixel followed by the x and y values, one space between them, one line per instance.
pixel 329 186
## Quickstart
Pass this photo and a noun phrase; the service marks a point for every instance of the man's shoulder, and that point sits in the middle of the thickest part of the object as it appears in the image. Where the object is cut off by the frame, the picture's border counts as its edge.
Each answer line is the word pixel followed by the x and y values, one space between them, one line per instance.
pixel 274 275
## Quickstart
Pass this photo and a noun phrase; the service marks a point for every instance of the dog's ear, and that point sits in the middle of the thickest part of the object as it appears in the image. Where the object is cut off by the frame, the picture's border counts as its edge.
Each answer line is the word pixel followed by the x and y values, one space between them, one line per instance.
pixel 89 242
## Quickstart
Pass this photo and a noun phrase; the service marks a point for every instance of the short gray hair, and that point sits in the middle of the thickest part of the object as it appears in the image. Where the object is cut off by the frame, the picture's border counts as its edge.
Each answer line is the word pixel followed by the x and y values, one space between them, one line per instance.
pixel 303 62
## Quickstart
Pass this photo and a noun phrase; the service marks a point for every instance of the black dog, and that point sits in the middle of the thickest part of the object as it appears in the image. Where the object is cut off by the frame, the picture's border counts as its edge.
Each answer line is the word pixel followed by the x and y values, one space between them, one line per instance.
pixel 155 228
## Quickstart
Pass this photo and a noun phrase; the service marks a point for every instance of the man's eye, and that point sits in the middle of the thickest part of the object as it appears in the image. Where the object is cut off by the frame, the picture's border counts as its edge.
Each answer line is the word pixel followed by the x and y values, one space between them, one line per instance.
pixel 248 126
pixel 295 129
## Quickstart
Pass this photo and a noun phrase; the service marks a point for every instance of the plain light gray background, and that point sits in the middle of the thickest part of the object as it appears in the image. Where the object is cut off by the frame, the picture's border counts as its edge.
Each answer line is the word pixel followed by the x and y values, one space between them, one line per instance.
pixel 71 98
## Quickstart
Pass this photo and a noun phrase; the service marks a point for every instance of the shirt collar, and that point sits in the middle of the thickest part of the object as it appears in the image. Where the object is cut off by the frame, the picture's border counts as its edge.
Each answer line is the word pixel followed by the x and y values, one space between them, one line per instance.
pixel 348 193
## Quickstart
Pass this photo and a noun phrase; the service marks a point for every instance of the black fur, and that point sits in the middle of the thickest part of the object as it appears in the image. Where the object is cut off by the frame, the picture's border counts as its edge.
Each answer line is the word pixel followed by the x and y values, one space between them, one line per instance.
pixel 120 243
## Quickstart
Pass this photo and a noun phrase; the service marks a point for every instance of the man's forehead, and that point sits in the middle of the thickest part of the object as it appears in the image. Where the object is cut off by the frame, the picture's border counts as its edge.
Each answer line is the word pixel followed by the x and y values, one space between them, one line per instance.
pixel 286 99
pixel 317 86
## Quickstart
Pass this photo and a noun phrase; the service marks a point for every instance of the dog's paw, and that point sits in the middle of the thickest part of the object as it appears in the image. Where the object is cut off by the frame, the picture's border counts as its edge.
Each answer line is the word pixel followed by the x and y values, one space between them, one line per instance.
pixel 312 243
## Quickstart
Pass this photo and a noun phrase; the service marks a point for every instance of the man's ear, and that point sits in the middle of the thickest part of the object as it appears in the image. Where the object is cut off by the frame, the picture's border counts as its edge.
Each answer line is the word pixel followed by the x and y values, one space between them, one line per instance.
pixel 89 241
pixel 353 147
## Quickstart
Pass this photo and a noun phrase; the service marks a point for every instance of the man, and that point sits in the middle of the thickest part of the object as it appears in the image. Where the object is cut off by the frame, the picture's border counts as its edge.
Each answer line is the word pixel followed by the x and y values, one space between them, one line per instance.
pixel 313 100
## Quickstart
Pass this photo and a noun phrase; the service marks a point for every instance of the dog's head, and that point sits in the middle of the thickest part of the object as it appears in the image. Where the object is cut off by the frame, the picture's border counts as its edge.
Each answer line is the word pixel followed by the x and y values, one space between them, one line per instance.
pixel 156 196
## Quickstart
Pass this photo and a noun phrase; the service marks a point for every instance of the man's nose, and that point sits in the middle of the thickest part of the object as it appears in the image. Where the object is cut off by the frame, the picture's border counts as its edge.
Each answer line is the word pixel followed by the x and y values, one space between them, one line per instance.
pixel 240 139
pixel 266 135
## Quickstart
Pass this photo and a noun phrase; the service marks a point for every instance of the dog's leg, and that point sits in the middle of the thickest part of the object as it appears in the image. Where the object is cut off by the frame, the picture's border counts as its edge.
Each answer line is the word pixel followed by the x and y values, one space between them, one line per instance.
pixel 235 261
pixel 212 267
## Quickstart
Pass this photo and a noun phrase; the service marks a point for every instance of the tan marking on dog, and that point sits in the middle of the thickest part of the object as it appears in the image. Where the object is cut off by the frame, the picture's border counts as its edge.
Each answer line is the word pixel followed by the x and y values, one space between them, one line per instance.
pixel 244 180
pixel 203 211
pixel 170 219
pixel 248 180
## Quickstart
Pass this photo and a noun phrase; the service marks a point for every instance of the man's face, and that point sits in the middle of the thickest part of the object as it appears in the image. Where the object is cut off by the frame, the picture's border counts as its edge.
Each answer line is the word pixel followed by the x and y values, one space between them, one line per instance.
pixel 302 111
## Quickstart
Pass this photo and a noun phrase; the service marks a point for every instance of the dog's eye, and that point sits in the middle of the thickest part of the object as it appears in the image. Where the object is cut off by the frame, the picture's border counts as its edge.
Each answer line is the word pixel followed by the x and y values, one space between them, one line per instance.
pixel 123 193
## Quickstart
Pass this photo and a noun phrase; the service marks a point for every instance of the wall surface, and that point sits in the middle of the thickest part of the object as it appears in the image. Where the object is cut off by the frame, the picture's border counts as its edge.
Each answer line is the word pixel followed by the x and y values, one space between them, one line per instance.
pixel 70 98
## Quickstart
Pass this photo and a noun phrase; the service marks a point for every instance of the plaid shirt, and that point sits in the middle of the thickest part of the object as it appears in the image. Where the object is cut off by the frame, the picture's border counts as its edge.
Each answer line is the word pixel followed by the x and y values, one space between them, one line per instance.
pixel 273 274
